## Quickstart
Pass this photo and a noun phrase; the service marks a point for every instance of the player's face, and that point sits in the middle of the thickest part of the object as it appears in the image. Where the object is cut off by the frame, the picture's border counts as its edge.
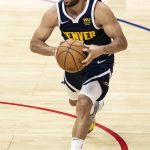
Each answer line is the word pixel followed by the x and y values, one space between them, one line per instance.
pixel 70 3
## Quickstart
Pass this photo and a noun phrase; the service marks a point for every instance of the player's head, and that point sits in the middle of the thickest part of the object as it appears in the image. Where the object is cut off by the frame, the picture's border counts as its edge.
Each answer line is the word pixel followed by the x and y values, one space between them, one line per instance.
pixel 70 3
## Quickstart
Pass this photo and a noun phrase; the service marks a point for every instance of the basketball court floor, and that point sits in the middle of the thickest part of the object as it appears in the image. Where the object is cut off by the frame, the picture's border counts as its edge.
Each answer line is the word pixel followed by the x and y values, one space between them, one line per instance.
pixel 34 109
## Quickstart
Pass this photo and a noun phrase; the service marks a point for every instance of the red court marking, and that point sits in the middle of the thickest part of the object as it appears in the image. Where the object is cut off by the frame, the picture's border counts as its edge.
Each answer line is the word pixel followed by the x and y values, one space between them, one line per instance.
pixel 119 139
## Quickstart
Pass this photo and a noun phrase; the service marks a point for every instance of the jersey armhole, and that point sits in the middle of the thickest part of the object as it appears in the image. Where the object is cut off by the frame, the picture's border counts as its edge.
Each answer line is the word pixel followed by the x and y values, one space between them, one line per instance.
pixel 92 16
pixel 58 13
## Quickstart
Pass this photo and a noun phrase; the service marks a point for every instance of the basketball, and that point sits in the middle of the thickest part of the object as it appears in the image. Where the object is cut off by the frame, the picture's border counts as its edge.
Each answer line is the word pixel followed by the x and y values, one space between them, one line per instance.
pixel 69 55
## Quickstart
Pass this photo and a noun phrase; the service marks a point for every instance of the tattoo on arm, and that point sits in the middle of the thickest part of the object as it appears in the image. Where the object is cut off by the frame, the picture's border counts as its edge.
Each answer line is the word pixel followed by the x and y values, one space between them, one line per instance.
pixel 108 49
pixel 117 45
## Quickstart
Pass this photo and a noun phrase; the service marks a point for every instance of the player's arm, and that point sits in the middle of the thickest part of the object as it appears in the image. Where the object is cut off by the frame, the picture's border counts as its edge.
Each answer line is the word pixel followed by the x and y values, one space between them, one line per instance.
pixel 42 33
pixel 112 29
pixel 105 18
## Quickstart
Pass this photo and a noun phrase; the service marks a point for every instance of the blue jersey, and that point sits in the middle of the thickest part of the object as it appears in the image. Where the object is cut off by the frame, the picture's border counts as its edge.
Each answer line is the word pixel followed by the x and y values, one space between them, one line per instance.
pixel 83 27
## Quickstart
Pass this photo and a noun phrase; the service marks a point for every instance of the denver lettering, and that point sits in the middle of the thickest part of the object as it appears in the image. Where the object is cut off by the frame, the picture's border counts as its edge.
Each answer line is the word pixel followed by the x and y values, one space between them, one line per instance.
pixel 80 35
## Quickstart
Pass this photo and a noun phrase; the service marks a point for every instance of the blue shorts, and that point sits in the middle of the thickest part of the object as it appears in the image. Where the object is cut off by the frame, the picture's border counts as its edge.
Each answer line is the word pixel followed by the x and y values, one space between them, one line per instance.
pixel 98 70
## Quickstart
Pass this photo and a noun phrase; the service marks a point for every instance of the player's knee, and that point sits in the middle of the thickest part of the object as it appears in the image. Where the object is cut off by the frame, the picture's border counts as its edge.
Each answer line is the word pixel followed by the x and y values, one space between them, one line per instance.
pixel 93 90
pixel 84 104
pixel 72 102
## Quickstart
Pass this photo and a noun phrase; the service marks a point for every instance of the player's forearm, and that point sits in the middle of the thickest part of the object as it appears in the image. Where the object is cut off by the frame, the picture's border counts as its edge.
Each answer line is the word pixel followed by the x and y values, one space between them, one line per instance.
pixel 117 45
pixel 38 46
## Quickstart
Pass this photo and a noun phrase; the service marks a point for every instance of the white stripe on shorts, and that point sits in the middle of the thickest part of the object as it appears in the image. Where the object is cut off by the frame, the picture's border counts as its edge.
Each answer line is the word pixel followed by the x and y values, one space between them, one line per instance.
pixel 71 85
pixel 98 76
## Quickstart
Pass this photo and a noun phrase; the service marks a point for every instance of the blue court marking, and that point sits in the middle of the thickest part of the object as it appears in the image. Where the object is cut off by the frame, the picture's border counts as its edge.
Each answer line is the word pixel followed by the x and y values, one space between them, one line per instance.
pixel 133 24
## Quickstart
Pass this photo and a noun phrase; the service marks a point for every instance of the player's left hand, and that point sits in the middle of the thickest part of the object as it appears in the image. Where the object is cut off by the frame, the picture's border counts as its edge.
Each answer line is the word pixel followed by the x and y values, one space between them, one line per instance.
pixel 93 52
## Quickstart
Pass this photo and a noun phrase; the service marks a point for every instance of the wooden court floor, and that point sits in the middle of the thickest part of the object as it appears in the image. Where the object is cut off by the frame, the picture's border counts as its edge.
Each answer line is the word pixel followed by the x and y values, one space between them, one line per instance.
pixel 33 82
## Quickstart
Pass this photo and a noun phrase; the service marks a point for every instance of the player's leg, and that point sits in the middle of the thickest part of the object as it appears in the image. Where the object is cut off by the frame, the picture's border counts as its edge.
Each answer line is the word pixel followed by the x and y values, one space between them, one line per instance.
pixel 73 95
pixel 71 91
pixel 88 95
pixel 86 105
pixel 94 91
pixel 82 122
pixel 86 100
pixel 83 104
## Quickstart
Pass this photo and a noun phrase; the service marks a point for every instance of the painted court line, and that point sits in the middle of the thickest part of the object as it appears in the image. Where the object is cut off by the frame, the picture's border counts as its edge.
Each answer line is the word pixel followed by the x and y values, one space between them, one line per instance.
pixel 117 137
pixel 133 24
pixel 10 142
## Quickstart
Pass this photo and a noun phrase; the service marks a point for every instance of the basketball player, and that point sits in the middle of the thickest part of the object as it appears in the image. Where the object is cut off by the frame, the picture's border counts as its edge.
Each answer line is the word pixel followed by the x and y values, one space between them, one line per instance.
pixel 93 22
